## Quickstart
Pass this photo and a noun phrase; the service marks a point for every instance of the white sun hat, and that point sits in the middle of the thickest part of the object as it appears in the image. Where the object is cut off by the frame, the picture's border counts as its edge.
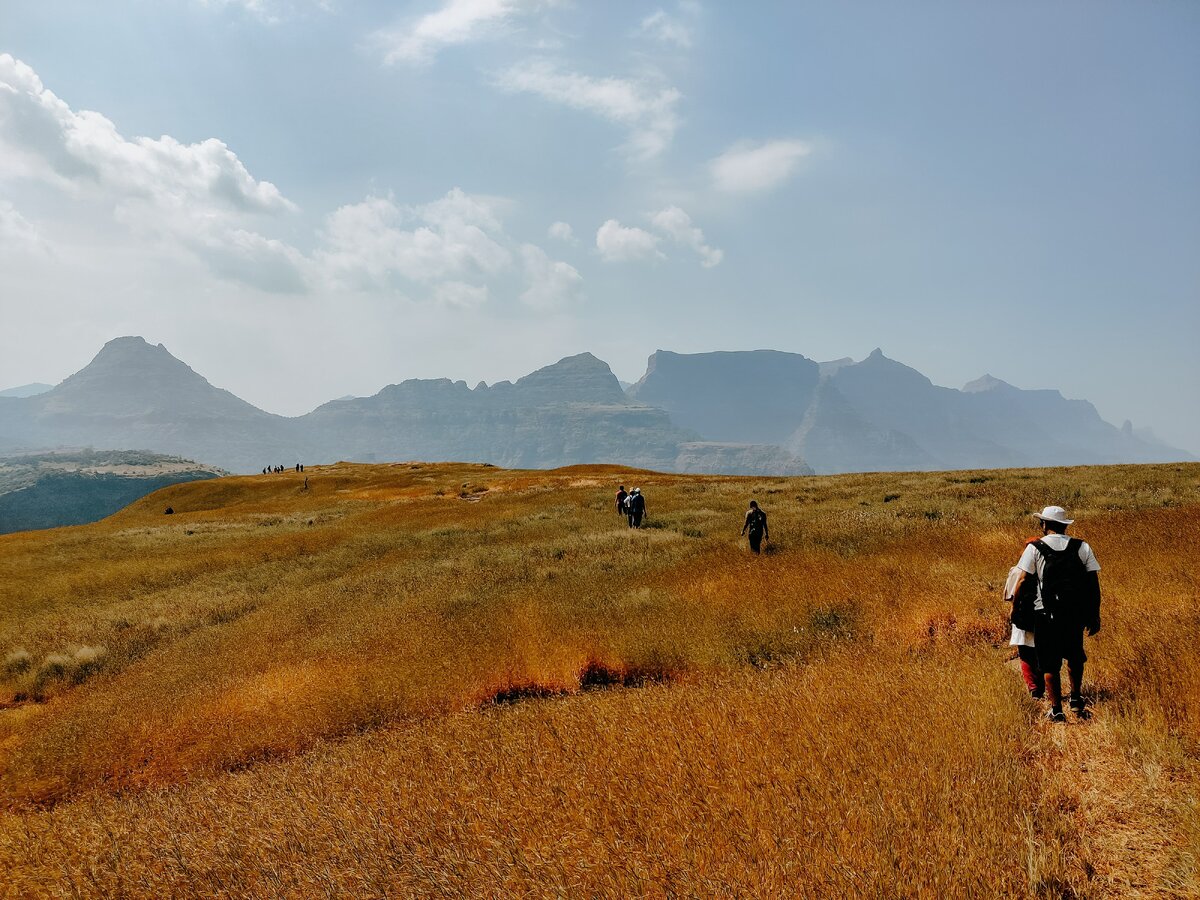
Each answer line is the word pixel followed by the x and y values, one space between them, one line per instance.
pixel 1054 514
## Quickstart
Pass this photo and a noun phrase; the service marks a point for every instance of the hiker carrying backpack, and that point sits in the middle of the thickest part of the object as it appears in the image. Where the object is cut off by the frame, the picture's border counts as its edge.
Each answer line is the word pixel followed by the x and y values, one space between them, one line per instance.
pixel 1067 601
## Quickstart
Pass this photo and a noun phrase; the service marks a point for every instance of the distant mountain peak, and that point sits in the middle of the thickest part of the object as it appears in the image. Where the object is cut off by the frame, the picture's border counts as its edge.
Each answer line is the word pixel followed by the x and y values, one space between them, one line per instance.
pixel 985 383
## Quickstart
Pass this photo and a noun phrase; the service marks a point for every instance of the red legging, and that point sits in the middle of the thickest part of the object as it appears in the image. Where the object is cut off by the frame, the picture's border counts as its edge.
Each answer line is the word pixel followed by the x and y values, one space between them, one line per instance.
pixel 1029 669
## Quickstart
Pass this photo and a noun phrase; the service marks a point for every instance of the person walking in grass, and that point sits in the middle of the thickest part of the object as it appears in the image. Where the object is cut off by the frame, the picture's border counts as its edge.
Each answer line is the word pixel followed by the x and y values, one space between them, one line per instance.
pixel 1022 621
pixel 635 506
pixel 621 495
pixel 1066 603
pixel 756 524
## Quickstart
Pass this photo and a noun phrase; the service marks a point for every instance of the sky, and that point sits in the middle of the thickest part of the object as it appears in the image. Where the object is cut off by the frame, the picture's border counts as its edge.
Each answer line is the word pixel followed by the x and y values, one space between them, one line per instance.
pixel 304 199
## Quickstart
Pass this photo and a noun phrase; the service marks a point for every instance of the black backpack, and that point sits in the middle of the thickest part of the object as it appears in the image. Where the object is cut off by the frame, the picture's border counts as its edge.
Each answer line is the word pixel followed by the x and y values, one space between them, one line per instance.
pixel 1062 578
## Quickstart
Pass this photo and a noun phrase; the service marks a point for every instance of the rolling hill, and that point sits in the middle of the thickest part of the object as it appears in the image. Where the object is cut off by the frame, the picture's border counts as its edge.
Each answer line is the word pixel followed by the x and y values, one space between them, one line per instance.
pixel 455 679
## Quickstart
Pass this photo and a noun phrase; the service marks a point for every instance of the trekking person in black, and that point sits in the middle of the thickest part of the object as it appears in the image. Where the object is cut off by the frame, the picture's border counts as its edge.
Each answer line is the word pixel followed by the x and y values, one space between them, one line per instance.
pixel 1067 603
pixel 621 495
pixel 635 506
pixel 756 522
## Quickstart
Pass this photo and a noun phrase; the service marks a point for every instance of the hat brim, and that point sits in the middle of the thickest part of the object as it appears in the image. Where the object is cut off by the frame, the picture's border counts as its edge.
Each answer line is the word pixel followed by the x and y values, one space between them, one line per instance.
pixel 1042 518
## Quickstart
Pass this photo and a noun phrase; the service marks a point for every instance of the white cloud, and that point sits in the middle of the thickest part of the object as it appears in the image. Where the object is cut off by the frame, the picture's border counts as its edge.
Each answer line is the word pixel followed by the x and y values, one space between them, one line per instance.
pixel 198 196
pixel 647 110
pixel 667 29
pixel 748 167
pixel 376 243
pixel 677 224
pixel 550 284
pixel 618 243
pixel 19 236
pixel 561 231
pixel 43 137
pixel 455 22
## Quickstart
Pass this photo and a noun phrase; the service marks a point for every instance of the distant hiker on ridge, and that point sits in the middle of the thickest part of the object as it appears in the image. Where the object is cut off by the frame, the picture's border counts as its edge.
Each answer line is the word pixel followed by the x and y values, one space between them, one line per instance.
pixel 635 507
pixel 756 522
pixel 1067 602
pixel 621 495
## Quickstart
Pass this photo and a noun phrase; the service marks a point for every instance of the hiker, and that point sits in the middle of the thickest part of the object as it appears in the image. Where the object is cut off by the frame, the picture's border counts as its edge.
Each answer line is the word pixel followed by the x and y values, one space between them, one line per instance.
pixel 621 495
pixel 756 522
pixel 297 468
pixel 1022 621
pixel 635 507
pixel 1067 603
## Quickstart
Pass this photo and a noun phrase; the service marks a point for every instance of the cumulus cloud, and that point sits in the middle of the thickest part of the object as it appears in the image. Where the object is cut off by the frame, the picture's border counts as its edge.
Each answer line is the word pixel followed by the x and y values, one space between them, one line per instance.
pixel 418 41
pixel 677 225
pixel 645 109
pixel 43 137
pixel 667 29
pixel 378 244
pixel 561 231
pixel 620 243
pixel 747 167
pixel 196 195
pixel 550 284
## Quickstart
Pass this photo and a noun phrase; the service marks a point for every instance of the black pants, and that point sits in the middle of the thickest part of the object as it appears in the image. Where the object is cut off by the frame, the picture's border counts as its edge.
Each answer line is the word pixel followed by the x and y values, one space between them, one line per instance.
pixel 755 541
pixel 1058 639
pixel 635 520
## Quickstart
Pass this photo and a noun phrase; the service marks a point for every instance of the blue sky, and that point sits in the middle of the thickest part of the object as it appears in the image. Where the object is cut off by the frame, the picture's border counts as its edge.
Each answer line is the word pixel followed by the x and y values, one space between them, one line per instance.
pixel 306 199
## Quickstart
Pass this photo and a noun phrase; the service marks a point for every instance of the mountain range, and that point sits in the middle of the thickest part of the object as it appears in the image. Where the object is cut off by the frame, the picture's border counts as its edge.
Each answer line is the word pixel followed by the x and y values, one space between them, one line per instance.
pixel 751 412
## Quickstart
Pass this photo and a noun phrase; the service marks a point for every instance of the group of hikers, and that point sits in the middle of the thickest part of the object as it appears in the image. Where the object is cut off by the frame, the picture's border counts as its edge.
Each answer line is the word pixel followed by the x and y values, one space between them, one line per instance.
pixel 1054 589
pixel 268 470
pixel 631 505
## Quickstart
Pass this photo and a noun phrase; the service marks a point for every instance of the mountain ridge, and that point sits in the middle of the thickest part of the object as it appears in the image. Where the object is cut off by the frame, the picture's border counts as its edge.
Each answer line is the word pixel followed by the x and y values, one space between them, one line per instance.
pixel 728 412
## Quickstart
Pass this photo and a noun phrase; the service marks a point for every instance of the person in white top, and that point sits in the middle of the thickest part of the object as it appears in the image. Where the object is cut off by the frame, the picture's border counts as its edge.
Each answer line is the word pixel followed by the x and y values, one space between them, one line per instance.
pixel 1061 575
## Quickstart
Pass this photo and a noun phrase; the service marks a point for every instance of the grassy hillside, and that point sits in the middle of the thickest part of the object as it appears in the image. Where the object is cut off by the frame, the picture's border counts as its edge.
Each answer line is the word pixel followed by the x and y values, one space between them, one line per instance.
pixel 459 679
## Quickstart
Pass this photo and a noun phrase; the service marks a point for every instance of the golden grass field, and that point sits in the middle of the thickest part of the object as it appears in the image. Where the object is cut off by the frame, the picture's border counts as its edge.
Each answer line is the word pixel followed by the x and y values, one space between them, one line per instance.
pixel 456 680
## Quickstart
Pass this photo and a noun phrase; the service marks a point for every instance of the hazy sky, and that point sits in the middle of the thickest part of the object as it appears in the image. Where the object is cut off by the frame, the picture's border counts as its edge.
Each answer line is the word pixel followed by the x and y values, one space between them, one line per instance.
pixel 306 199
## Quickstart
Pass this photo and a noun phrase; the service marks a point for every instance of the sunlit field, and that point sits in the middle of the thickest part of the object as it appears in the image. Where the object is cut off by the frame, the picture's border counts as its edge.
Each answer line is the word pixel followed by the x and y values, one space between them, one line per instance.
pixel 460 680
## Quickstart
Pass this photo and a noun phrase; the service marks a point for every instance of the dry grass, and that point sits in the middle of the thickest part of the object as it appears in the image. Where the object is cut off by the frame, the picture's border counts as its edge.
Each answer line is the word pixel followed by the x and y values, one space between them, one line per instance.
pixel 279 691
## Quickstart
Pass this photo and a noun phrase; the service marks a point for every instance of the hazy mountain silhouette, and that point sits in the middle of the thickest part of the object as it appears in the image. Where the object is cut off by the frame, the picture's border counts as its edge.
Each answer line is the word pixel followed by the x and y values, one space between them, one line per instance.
pixel 26 390
pixel 763 412
pixel 134 394
pixel 879 414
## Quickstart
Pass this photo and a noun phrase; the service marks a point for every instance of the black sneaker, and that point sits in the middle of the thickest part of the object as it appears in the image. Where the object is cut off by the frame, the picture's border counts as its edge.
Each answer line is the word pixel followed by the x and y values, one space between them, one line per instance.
pixel 1076 703
pixel 1037 693
pixel 1055 715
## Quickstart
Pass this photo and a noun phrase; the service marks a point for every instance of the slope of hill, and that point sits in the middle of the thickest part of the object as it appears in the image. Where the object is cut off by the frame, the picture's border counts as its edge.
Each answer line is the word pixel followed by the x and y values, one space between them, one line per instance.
pixel 48 490
pixel 26 390
pixel 416 679
pixel 134 394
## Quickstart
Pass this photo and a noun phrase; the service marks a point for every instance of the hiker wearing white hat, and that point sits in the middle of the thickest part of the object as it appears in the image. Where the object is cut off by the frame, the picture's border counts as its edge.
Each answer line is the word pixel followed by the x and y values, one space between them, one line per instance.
pixel 1066 602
